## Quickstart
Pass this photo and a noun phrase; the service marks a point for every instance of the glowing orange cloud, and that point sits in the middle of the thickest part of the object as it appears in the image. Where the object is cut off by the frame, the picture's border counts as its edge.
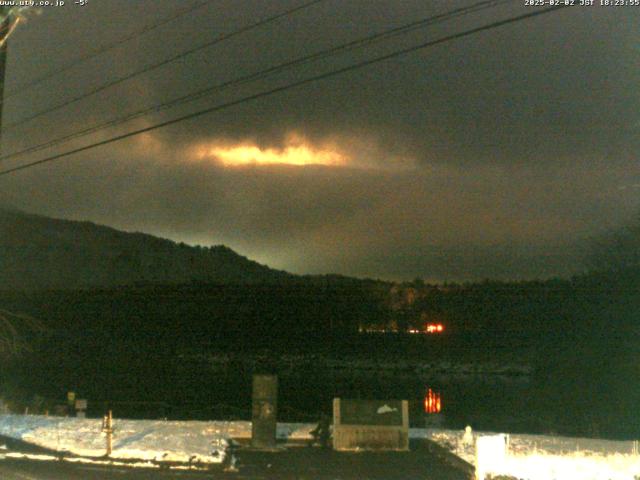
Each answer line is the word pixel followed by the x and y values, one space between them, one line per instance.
pixel 297 152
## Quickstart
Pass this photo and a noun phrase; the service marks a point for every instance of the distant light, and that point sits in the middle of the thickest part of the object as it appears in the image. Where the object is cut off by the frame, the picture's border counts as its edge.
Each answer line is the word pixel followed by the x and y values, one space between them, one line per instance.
pixel 434 328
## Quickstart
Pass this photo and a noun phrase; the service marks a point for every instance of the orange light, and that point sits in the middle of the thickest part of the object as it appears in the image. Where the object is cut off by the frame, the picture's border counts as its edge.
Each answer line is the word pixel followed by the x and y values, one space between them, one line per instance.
pixel 432 402
pixel 435 328
pixel 297 151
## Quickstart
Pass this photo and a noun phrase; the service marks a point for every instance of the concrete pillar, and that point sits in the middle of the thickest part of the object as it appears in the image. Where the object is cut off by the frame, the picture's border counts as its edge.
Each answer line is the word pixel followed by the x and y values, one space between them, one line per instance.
pixel 264 411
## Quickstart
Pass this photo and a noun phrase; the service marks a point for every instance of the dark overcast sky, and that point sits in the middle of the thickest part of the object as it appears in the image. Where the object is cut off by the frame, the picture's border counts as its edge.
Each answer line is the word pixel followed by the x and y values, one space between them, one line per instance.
pixel 496 155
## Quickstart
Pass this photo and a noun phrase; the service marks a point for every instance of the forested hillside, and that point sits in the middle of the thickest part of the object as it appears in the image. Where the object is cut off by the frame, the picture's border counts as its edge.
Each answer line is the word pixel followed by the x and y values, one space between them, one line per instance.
pixel 38 252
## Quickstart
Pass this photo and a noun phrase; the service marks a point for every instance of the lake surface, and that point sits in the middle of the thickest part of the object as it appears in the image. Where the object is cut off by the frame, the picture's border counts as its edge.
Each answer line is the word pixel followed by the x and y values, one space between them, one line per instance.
pixel 489 402
pixel 485 383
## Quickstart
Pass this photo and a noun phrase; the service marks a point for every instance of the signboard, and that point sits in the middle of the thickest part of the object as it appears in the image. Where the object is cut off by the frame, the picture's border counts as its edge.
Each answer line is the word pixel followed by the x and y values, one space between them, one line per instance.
pixel 81 404
pixel 370 424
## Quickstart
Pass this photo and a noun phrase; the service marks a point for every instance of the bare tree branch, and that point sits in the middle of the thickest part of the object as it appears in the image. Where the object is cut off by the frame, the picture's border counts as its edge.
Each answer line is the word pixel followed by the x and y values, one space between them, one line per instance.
pixel 15 328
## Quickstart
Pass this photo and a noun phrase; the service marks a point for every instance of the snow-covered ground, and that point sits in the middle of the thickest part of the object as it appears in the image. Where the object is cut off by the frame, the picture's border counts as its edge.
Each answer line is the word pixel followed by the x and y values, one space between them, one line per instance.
pixel 526 457
pixel 541 457
pixel 150 440
pixel 132 439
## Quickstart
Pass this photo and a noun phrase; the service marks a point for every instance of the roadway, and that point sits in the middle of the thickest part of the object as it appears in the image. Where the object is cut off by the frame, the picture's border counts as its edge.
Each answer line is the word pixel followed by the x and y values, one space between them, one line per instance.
pixel 295 463
pixel 11 469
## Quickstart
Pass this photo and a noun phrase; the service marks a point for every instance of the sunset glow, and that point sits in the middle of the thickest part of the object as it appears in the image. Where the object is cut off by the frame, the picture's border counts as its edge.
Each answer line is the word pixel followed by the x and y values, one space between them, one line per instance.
pixel 297 152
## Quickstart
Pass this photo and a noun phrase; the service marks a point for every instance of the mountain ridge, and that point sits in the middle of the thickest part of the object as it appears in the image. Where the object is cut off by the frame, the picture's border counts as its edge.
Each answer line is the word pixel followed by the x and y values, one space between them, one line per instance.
pixel 39 252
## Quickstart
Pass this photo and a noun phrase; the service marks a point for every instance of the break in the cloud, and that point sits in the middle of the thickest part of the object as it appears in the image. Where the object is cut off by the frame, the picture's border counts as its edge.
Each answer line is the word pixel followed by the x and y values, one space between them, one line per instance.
pixel 297 150
pixel 491 156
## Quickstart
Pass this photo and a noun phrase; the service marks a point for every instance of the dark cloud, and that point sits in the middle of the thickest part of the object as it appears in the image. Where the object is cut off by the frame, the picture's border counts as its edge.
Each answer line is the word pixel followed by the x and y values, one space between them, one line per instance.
pixel 494 155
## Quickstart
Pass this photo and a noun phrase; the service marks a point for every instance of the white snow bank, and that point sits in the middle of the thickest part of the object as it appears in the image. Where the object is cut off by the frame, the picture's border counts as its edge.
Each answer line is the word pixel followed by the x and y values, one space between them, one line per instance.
pixel 541 457
pixel 578 465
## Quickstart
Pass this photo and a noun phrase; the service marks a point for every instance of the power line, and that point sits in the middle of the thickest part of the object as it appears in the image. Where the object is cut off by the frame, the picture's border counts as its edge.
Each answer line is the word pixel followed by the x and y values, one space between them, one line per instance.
pixel 105 48
pixel 166 61
pixel 289 86
pixel 358 43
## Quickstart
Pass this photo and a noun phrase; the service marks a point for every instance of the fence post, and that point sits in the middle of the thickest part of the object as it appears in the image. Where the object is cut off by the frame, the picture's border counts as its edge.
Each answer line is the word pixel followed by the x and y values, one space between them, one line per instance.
pixel 107 427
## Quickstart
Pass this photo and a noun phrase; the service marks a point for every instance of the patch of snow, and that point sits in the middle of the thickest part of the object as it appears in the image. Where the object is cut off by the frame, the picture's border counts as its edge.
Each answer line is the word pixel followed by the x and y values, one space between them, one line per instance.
pixel 31 456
